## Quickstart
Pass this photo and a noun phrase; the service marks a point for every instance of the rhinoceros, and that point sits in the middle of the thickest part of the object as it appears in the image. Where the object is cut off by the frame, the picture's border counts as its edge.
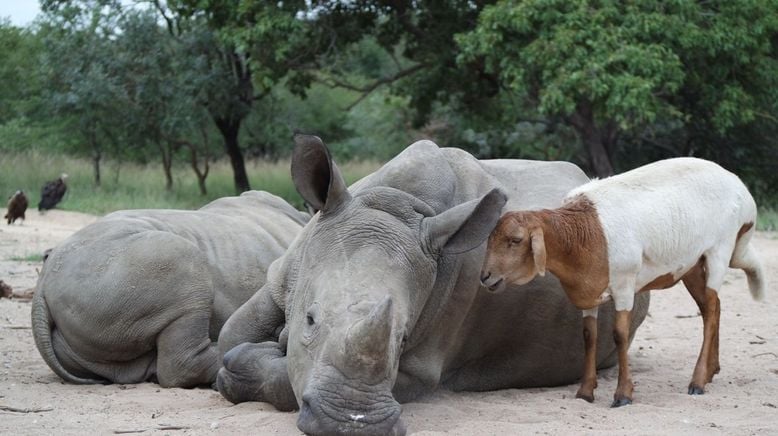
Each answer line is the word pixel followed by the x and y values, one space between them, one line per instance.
pixel 141 295
pixel 378 300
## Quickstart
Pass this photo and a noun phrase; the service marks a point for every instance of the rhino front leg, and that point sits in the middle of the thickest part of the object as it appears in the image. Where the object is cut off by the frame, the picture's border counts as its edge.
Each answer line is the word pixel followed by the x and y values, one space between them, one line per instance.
pixel 186 357
pixel 257 320
pixel 257 372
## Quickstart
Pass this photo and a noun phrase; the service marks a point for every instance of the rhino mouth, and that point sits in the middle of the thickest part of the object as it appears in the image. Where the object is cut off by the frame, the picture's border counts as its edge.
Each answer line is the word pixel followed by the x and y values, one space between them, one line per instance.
pixel 341 409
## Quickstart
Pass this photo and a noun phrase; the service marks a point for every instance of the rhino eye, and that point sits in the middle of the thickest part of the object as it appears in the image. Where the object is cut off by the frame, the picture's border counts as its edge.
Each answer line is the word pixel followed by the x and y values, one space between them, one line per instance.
pixel 309 319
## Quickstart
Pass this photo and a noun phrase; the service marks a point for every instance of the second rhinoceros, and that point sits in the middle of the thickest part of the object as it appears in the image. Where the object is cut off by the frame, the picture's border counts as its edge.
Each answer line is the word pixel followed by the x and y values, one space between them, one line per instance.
pixel 141 295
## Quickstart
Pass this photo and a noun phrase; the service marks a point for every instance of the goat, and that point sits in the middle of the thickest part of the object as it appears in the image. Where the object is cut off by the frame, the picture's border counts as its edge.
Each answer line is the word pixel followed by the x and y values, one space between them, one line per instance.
pixel 676 219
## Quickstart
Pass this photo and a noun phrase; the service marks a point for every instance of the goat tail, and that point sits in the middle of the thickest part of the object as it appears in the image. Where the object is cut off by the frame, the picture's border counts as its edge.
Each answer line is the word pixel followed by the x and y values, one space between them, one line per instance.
pixel 746 259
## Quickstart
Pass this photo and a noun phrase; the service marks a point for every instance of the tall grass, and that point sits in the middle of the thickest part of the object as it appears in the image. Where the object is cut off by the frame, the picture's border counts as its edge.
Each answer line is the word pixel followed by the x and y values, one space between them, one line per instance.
pixel 767 219
pixel 132 186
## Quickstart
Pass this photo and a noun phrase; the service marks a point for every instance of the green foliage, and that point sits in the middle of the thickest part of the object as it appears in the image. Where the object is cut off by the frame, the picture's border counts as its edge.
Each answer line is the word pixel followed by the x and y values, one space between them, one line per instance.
pixel 568 52
pixel 19 49
pixel 616 68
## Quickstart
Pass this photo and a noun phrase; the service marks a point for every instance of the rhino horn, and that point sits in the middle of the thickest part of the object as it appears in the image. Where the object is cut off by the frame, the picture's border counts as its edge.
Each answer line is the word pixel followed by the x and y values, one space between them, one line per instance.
pixel 367 342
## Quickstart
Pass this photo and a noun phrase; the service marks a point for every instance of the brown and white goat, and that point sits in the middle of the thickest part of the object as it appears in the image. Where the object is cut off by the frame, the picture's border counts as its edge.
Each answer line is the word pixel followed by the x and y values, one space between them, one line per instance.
pixel 678 219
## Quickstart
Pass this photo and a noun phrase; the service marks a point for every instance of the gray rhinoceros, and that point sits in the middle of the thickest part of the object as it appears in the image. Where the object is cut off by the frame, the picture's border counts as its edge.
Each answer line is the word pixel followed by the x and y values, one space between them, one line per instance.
pixel 378 299
pixel 141 295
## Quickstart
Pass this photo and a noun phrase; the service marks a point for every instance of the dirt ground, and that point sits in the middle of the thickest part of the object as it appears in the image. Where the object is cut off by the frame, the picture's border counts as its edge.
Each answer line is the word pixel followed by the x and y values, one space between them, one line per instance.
pixel 743 398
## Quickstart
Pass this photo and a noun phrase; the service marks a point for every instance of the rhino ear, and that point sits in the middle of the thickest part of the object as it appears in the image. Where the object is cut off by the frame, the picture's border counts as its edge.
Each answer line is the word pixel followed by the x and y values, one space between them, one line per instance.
pixel 316 176
pixel 464 227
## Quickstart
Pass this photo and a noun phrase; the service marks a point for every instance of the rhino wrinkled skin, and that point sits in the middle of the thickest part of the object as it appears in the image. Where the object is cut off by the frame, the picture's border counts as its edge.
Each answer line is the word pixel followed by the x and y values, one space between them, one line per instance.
pixel 378 300
pixel 141 295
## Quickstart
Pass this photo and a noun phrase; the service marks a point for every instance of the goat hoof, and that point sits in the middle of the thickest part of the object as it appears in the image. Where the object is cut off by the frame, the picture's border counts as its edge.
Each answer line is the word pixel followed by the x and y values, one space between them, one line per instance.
pixel 618 402
pixel 588 397
pixel 694 390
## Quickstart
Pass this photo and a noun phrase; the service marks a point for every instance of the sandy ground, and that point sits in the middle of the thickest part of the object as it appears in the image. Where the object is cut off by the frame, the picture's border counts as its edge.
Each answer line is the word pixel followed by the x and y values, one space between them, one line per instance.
pixel 743 398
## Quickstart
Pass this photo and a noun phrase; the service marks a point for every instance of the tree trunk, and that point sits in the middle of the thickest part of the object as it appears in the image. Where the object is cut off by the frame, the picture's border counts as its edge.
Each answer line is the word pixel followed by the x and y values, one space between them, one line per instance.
pixel 598 143
pixel 229 130
pixel 598 154
pixel 201 174
pixel 167 165
pixel 201 181
pixel 96 156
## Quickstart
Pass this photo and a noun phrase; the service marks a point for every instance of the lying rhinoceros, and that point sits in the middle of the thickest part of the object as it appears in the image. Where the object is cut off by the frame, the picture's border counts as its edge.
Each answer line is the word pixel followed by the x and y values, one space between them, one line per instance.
pixel 142 294
pixel 378 299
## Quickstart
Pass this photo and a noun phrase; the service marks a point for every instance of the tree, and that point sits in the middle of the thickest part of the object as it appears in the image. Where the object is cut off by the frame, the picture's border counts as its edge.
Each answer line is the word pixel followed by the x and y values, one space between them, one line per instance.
pixel 18 50
pixel 163 84
pixel 83 86
pixel 248 49
pixel 610 68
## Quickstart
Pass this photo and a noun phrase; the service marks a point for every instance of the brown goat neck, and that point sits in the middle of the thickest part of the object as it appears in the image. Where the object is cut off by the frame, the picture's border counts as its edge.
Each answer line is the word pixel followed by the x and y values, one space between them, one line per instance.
pixel 576 250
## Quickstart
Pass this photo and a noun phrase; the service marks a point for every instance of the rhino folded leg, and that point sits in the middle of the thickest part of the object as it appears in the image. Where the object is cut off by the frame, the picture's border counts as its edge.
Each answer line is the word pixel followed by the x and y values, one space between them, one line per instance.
pixel 136 370
pixel 257 372
pixel 184 358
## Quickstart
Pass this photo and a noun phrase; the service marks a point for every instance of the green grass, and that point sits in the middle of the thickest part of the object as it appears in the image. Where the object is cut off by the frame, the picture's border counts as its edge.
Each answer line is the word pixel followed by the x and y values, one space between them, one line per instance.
pixel 132 186
pixel 767 219
pixel 28 258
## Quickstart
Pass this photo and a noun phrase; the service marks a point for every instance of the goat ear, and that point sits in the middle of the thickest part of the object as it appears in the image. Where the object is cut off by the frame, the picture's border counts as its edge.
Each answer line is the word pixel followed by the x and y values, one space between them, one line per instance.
pixel 539 251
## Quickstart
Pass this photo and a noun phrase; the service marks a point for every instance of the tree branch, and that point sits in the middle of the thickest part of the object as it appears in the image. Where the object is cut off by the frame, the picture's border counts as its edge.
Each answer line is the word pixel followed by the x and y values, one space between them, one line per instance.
pixel 25 409
pixel 766 116
pixel 368 89
pixel 163 11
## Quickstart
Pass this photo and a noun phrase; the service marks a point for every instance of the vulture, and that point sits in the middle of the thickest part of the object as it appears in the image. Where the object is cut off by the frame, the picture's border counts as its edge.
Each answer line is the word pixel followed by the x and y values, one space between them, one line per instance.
pixel 17 205
pixel 52 193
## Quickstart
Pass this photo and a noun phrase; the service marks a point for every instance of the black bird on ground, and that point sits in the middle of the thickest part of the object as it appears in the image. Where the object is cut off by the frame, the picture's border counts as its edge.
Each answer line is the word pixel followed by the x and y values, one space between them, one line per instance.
pixel 17 205
pixel 52 193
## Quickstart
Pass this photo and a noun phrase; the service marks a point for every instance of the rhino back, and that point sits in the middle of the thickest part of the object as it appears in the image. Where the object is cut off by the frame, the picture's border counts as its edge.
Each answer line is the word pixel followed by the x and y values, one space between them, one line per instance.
pixel 107 294
pixel 239 243
pixel 114 285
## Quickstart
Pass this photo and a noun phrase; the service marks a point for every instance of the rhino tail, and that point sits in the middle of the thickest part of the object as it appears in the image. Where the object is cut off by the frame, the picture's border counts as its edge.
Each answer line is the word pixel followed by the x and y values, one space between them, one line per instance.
pixel 42 326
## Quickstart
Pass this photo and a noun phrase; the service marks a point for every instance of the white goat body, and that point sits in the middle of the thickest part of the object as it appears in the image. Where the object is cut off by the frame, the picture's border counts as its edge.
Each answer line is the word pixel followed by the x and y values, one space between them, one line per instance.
pixel 662 218
pixel 677 219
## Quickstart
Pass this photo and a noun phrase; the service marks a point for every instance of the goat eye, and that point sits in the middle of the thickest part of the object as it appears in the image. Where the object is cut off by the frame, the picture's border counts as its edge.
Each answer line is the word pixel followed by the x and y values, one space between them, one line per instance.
pixel 515 241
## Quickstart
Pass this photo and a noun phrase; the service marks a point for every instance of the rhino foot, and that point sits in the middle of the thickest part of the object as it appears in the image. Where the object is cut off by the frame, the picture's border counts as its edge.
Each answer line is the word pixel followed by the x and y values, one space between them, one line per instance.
pixel 257 372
